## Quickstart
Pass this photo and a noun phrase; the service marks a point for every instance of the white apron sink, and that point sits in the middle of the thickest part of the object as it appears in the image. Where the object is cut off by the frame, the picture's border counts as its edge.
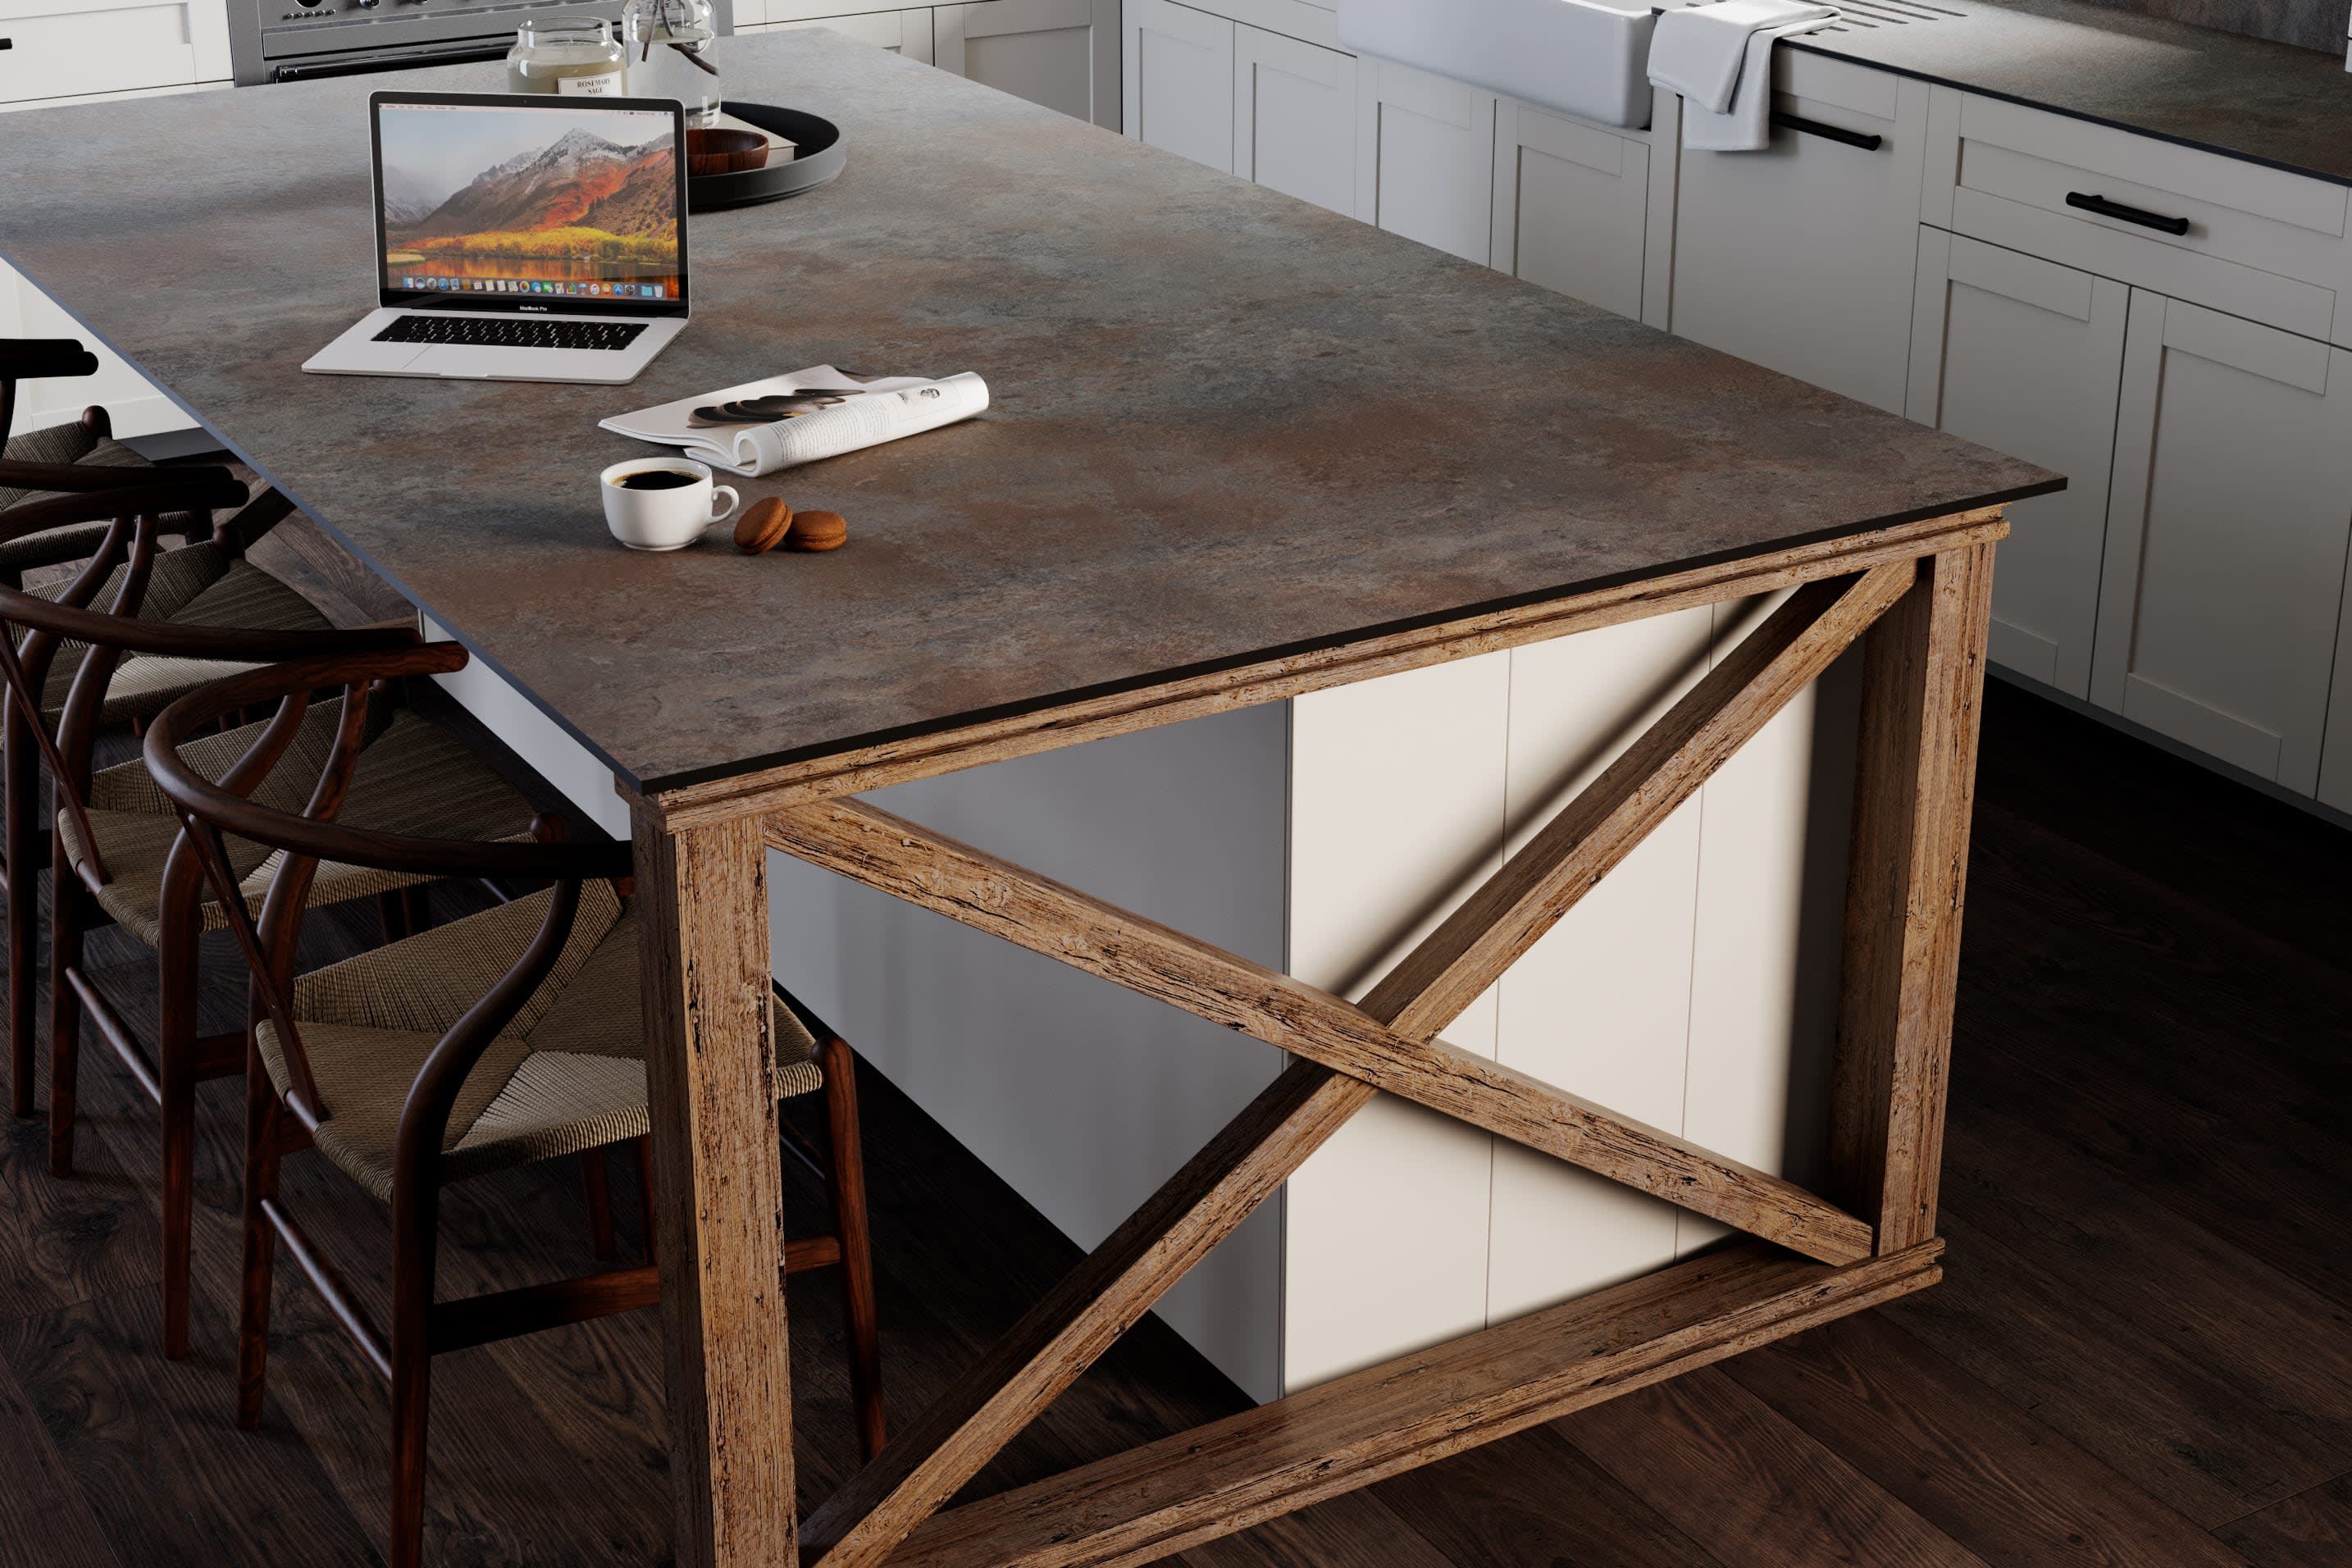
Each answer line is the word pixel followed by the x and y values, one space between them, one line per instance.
pixel 1581 58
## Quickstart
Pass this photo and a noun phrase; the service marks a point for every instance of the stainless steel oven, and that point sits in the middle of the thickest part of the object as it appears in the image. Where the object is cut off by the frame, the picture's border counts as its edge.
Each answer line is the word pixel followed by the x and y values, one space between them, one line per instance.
pixel 288 40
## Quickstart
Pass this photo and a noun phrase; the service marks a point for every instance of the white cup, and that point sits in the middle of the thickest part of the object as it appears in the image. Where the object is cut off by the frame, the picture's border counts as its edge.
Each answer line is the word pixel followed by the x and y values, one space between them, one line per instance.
pixel 666 519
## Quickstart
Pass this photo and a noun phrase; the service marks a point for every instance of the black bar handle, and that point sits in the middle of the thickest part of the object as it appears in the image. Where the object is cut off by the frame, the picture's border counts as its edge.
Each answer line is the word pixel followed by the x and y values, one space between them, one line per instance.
pixel 1829 132
pixel 2140 215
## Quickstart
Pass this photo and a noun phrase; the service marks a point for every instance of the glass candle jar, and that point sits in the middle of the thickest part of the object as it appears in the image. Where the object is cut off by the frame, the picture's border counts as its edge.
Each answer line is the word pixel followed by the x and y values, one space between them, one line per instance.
pixel 568 55
pixel 667 43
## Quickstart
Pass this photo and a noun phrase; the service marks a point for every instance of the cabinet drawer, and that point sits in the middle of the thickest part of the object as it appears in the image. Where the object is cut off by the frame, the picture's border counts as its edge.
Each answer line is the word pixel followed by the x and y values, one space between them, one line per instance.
pixel 2221 232
pixel 57 49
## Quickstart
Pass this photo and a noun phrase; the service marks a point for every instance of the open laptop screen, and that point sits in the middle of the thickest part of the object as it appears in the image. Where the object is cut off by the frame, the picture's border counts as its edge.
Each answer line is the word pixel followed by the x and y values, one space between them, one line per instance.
pixel 531 203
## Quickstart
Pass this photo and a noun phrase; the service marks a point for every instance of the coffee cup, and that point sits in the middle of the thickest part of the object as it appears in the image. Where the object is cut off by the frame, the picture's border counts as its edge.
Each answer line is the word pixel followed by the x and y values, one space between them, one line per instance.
pixel 663 503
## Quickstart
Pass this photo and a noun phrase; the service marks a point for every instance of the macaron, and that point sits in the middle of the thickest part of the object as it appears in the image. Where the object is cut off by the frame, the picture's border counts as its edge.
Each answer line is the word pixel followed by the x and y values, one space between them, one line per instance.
pixel 817 530
pixel 763 526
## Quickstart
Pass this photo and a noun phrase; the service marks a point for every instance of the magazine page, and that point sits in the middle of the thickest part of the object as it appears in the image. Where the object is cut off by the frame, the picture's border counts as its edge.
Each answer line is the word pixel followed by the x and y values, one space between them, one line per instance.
pixel 780 421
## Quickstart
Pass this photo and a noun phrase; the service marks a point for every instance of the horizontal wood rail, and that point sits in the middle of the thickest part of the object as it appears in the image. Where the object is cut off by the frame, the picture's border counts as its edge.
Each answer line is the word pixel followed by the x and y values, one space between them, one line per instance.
pixel 1071 720
pixel 501 1314
pixel 992 895
pixel 1165 1497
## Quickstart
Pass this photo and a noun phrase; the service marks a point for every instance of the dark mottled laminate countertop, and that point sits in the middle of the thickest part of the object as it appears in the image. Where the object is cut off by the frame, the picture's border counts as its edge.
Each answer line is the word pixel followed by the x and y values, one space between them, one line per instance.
pixel 2270 103
pixel 1228 424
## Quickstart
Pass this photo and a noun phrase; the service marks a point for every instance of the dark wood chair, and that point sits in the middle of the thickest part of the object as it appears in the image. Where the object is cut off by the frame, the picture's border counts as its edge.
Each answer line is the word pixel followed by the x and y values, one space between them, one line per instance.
pixel 179 617
pixel 504 1038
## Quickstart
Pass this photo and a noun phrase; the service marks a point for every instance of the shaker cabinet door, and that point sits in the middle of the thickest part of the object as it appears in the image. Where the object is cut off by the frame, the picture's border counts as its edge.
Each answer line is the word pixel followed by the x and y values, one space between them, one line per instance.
pixel 1295 118
pixel 1572 206
pixel 1178 92
pixel 1059 53
pixel 906 32
pixel 2024 356
pixel 73 48
pixel 2226 537
pixel 1800 257
pixel 1426 158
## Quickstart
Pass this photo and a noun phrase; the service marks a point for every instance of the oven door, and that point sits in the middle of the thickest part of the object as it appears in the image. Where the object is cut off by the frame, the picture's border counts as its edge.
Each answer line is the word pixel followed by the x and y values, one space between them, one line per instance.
pixel 366 60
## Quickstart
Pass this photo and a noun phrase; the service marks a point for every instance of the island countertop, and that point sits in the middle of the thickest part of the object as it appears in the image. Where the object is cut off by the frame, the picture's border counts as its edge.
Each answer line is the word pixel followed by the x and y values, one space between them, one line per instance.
pixel 1226 424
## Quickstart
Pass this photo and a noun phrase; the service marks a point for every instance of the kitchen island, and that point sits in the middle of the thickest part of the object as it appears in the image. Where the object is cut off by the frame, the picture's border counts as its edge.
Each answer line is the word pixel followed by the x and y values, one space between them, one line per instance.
pixel 1214 482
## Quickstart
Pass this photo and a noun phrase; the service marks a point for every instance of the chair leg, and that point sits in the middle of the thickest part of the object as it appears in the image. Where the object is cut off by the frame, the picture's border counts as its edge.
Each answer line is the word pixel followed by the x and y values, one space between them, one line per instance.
pixel 23 784
pixel 66 921
pixel 176 1073
pixel 846 1185
pixel 415 1222
pixel 596 1181
pixel 262 1130
pixel 416 907
pixel 645 1196
pixel 392 914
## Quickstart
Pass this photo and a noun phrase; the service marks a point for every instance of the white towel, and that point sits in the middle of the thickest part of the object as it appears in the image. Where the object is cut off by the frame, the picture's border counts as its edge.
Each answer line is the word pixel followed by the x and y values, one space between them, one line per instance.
pixel 1701 51
pixel 1747 125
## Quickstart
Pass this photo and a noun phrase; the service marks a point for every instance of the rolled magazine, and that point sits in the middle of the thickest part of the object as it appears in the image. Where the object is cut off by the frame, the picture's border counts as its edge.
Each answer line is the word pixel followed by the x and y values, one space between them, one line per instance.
pixel 761 427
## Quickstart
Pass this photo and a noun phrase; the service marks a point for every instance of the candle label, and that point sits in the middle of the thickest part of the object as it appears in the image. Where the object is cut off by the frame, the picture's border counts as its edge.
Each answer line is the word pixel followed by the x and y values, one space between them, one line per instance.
pixel 606 84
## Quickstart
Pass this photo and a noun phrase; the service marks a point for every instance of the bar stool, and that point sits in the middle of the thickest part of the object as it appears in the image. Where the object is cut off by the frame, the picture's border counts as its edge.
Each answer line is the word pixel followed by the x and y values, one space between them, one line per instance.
pixel 185 614
pixel 501 1039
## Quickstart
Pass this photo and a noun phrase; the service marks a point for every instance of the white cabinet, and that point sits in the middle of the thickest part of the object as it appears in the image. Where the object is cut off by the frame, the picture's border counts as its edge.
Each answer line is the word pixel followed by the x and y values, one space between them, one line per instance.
pixel 1570 206
pixel 2227 528
pixel 1295 118
pixel 1425 157
pixel 2025 356
pixel 135 406
pixel 1800 258
pixel 1060 53
pixel 74 48
pixel 905 32
pixel 1177 87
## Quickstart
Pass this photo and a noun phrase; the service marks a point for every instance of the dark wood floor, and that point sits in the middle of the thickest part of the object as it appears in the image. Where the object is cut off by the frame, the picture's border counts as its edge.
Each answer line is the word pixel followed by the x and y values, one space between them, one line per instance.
pixel 2142 1355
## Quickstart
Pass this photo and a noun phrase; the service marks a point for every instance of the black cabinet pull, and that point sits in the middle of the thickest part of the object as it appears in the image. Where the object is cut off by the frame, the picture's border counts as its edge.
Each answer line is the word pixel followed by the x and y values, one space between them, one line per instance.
pixel 1831 132
pixel 2140 215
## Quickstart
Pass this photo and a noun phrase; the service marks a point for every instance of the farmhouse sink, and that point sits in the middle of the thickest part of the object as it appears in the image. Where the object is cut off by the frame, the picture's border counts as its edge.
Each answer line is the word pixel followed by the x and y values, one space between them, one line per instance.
pixel 1581 58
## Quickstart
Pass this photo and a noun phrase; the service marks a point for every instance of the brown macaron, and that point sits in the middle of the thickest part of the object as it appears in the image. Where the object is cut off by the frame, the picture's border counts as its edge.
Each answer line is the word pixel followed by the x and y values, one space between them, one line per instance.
pixel 817 530
pixel 762 525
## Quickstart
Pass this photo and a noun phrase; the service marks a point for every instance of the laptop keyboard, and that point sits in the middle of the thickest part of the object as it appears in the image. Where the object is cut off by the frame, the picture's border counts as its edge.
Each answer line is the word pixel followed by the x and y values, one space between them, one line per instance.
pixel 510 332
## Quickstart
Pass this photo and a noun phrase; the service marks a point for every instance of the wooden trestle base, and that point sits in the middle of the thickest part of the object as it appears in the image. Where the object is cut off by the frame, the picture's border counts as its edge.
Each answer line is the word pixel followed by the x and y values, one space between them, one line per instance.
pixel 1915 597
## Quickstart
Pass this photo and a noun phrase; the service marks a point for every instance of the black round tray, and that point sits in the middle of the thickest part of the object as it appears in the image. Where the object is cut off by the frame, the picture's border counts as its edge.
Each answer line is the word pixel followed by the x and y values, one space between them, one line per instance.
pixel 818 160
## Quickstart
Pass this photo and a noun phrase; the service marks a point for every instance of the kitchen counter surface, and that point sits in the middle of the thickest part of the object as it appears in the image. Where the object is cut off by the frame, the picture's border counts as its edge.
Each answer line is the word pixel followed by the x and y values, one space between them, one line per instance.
pixel 1228 425
pixel 2270 103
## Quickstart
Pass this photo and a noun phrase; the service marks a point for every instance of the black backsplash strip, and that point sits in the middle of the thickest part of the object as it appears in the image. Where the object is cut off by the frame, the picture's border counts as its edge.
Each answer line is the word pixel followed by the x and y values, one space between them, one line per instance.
pixel 2312 24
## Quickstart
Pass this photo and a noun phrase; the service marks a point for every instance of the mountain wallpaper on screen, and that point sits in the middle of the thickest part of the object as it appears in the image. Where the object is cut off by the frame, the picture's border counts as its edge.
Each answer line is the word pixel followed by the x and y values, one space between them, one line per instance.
pixel 582 198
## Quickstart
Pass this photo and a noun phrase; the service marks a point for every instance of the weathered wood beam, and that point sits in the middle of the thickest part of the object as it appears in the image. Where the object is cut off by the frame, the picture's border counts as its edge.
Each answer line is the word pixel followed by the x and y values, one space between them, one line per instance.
pixel 1609 817
pixel 1070 719
pixel 881 850
pixel 1165 1497
pixel 1923 684
pixel 931 1459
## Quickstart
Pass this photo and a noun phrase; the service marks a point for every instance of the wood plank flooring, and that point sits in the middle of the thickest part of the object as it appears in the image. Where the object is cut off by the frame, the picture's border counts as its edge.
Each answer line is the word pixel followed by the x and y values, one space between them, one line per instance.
pixel 2141 1356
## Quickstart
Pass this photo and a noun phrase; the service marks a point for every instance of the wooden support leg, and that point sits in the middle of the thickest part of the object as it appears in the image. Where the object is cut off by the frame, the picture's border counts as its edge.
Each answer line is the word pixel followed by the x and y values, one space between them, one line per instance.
pixel 23 784
pixel 176 1050
pixel 718 1179
pixel 262 1120
pixel 66 923
pixel 390 915
pixel 1923 684
pixel 595 1181
pixel 644 1147
pixel 416 1234
pixel 416 906
pixel 846 1185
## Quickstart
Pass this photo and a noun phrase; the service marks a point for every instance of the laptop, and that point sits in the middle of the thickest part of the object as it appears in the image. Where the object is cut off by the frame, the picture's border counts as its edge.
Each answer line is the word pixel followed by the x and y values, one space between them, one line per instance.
pixel 522 238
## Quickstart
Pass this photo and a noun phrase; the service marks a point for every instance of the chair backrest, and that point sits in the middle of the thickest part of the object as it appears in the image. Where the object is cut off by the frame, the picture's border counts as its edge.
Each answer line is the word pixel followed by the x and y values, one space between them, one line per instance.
pixel 127 559
pixel 36 359
pixel 211 810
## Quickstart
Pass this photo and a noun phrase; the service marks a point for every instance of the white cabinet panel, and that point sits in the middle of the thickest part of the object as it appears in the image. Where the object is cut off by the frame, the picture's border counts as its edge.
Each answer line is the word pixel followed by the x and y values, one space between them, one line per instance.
pixel 1054 52
pixel 1295 118
pixel 1800 256
pixel 1571 205
pixel 1426 158
pixel 1600 1006
pixel 2226 536
pixel 1178 91
pixel 1396 814
pixel 2025 356
pixel 133 405
pixel 906 32
pixel 60 48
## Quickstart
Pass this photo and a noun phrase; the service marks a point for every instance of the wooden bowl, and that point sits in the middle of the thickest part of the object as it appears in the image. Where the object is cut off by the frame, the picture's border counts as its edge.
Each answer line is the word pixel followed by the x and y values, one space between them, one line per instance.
pixel 724 151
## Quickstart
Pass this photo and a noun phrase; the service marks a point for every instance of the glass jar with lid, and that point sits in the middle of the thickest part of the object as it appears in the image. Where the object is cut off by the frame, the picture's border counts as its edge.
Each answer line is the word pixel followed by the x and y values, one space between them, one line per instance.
pixel 667 43
pixel 570 55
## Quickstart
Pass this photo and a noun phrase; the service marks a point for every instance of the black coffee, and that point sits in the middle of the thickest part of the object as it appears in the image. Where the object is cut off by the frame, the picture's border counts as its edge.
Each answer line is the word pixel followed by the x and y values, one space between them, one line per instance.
pixel 655 479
